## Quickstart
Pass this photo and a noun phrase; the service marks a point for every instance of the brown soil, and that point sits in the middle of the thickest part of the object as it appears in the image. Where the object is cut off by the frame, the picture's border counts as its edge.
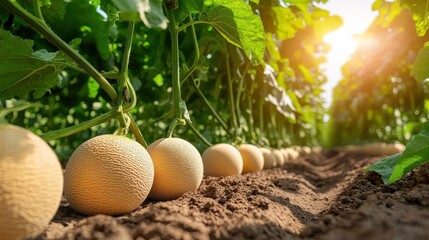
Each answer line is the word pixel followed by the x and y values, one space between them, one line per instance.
pixel 316 197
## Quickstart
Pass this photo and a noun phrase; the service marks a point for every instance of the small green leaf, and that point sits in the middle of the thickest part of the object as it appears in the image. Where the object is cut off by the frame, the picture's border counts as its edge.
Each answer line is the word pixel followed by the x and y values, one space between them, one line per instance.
pixel 420 69
pixel 159 80
pixel 93 88
pixel 150 11
pixel 184 110
pixel 235 21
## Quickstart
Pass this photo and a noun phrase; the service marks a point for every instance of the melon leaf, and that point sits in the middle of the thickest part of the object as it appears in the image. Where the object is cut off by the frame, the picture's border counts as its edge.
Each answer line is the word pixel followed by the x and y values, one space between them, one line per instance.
pixel 24 70
pixel 396 166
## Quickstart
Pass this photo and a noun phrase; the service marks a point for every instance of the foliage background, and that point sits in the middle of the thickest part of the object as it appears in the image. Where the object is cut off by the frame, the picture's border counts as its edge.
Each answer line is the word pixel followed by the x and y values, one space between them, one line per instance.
pixel 277 96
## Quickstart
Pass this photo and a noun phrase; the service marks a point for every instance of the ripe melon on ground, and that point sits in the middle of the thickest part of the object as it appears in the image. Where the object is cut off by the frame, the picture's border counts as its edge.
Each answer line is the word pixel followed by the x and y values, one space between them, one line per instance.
pixel 269 158
pixel 285 153
pixel 222 160
pixel 108 174
pixel 390 149
pixel 253 159
pixel 31 183
pixel 178 168
pixel 293 154
pixel 280 159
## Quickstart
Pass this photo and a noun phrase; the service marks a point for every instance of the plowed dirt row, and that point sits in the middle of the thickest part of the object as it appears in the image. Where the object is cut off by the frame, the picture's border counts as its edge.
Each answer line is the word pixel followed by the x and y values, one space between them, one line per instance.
pixel 325 196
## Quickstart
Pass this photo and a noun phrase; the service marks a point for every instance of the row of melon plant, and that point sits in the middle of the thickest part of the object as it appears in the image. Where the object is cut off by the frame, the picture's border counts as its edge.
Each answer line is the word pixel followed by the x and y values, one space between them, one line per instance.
pixel 276 106
pixel 109 174
pixel 112 173
pixel 379 98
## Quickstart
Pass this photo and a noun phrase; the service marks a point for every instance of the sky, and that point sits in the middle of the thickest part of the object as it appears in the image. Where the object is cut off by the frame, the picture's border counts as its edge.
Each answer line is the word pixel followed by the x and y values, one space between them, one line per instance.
pixel 357 16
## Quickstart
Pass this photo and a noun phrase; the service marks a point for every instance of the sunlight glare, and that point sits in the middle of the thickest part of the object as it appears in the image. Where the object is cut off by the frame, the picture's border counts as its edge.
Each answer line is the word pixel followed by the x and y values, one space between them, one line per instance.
pixel 343 44
pixel 357 16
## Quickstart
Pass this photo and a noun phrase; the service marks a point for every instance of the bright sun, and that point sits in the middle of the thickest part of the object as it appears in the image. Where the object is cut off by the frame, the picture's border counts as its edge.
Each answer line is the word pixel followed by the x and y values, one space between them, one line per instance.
pixel 357 16
pixel 343 44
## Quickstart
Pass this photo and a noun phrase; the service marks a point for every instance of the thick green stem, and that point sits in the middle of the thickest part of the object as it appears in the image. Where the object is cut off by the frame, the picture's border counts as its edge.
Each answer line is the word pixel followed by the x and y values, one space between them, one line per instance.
pixel 124 86
pixel 80 127
pixel 177 99
pixel 39 26
pixel 123 77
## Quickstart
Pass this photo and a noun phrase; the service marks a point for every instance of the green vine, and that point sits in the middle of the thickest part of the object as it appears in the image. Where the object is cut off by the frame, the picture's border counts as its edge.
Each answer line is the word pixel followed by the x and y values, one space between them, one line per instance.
pixel 177 99
pixel 37 23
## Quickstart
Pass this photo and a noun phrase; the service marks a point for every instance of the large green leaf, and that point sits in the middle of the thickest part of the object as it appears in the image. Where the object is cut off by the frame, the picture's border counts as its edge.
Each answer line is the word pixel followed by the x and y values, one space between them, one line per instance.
pixel 420 10
pixel 416 154
pixel 235 21
pixel 394 167
pixel 421 65
pixel 65 19
pixel 385 166
pixel 23 70
pixel 149 11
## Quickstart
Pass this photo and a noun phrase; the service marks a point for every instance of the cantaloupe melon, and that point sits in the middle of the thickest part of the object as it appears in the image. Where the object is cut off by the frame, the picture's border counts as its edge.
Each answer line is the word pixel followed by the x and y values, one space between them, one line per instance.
pixel 253 159
pixel 394 148
pixel 317 149
pixel 305 150
pixel 375 148
pixel 108 174
pixel 286 156
pixel 31 183
pixel 280 159
pixel 178 168
pixel 293 154
pixel 222 160
pixel 269 158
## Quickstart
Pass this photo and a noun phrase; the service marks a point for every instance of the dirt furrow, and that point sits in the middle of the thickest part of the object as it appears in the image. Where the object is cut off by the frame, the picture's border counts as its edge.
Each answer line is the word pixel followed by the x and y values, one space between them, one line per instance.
pixel 314 197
